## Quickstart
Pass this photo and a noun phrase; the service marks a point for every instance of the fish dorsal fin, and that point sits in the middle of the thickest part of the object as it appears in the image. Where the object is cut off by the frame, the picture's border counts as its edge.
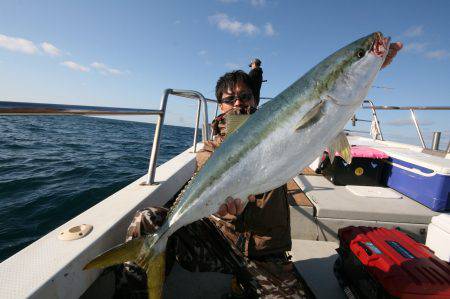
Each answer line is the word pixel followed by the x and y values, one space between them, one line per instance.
pixel 340 144
pixel 311 117
pixel 234 121
pixel 181 194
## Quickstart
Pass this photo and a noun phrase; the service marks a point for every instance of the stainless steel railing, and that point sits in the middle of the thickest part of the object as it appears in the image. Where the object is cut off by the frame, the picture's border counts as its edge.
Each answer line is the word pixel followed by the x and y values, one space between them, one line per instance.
pixel 190 94
pixel 368 104
pixel 22 108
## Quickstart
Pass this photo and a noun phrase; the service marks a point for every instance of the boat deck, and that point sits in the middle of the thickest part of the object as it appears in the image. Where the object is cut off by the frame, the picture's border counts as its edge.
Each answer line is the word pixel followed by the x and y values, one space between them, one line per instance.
pixel 184 284
pixel 314 260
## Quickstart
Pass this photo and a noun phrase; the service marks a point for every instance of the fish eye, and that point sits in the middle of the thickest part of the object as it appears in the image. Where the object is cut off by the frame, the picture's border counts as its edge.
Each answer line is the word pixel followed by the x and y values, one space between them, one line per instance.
pixel 360 53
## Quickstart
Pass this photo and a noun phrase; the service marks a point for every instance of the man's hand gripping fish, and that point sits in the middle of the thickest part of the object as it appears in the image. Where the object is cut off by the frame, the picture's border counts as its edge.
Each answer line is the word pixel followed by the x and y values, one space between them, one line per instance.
pixel 271 147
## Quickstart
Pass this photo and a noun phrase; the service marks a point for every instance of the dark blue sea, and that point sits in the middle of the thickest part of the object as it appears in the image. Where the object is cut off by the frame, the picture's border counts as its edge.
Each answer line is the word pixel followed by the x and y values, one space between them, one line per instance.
pixel 54 168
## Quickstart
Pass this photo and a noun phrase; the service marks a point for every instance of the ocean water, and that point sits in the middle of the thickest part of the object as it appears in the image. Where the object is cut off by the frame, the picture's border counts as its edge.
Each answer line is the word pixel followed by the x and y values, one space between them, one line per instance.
pixel 53 168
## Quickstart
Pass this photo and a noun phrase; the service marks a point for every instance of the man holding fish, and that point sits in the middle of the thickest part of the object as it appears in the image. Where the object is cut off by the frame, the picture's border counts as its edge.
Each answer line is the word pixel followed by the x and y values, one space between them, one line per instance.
pixel 250 240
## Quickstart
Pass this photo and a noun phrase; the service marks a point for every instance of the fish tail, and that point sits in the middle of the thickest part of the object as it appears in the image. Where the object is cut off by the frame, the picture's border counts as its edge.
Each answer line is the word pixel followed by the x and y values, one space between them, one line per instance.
pixel 156 274
pixel 154 264
pixel 121 253
pixel 148 252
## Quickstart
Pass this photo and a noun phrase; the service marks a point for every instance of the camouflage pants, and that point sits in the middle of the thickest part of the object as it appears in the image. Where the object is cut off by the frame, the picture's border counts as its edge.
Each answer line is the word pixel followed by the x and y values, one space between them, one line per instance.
pixel 201 246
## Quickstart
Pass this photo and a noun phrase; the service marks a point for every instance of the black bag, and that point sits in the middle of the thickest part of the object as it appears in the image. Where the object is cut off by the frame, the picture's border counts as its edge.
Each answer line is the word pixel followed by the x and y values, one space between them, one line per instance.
pixel 362 171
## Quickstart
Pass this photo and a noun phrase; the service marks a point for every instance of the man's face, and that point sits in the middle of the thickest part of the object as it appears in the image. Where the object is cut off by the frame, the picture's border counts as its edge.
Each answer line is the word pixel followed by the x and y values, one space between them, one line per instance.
pixel 243 97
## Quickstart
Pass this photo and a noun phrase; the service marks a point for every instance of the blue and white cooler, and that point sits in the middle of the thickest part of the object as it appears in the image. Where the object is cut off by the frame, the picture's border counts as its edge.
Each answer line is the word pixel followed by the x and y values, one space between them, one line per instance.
pixel 422 177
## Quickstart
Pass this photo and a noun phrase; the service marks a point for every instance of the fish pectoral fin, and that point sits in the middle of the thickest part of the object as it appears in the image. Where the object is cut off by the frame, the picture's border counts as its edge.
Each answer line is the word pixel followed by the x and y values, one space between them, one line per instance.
pixel 122 253
pixel 234 121
pixel 310 117
pixel 156 274
pixel 341 145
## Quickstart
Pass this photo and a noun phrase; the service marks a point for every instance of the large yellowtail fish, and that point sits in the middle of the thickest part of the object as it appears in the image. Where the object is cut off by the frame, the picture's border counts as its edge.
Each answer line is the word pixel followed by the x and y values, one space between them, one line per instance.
pixel 271 147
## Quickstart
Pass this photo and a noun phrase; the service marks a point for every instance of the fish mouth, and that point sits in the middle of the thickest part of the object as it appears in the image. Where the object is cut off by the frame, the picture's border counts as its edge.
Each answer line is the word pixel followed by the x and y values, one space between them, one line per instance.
pixel 380 46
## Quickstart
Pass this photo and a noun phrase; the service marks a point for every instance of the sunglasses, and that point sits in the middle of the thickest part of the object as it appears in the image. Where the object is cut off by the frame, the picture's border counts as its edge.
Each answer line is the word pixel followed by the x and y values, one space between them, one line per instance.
pixel 244 96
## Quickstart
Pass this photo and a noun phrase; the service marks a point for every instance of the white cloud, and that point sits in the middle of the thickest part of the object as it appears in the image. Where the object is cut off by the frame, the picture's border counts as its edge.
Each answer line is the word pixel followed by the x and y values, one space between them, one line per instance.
pixel 268 28
pixel 416 47
pixel 75 66
pixel 438 54
pixel 232 65
pixel 104 69
pixel 17 44
pixel 177 22
pixel 422 49
pixel 50 49
pixel 223 22
pixel 414 31
pixel 202 53
pixel 258 2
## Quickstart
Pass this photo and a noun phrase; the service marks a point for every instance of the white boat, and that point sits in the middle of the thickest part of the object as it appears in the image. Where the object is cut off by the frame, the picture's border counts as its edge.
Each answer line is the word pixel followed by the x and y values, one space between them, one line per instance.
pixel 52 267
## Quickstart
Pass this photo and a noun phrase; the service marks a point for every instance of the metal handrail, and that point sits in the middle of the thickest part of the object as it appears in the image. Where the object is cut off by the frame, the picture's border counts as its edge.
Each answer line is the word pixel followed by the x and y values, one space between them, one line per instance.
pixel 416 124
pixel 405 107
pixel 191 94
pixel 410 108
pixel 24 108
pixel 374 116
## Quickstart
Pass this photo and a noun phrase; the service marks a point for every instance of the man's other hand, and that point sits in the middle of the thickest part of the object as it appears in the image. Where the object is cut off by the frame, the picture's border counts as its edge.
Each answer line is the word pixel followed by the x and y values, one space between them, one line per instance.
pixel 233 206
pixel 393 49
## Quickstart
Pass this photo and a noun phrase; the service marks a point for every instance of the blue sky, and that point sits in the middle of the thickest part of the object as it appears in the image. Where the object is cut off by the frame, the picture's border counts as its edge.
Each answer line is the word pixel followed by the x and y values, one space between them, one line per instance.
pixel 124 53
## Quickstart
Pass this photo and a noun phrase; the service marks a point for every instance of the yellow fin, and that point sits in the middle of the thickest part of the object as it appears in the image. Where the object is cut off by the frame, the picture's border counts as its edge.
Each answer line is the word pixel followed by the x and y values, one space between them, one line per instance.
pixel 156 274
pixel 122 253
pixel 311 116
pixel 234 121
pixel 340 144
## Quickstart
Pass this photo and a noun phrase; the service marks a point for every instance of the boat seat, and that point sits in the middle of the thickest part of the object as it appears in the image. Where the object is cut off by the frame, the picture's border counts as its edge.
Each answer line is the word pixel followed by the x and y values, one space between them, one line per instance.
pixel 336 207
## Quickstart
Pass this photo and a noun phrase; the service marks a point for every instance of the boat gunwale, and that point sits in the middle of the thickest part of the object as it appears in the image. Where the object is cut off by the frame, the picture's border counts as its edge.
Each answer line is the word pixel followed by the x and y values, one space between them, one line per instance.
pixel 50 267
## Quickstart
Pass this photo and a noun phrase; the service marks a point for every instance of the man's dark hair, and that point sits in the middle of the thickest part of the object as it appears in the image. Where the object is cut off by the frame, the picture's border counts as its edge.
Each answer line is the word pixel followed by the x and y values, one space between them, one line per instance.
pixel 229 80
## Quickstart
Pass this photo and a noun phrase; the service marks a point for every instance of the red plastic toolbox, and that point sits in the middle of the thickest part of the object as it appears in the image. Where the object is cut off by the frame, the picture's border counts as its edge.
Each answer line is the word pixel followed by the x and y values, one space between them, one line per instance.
pixel 386 263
